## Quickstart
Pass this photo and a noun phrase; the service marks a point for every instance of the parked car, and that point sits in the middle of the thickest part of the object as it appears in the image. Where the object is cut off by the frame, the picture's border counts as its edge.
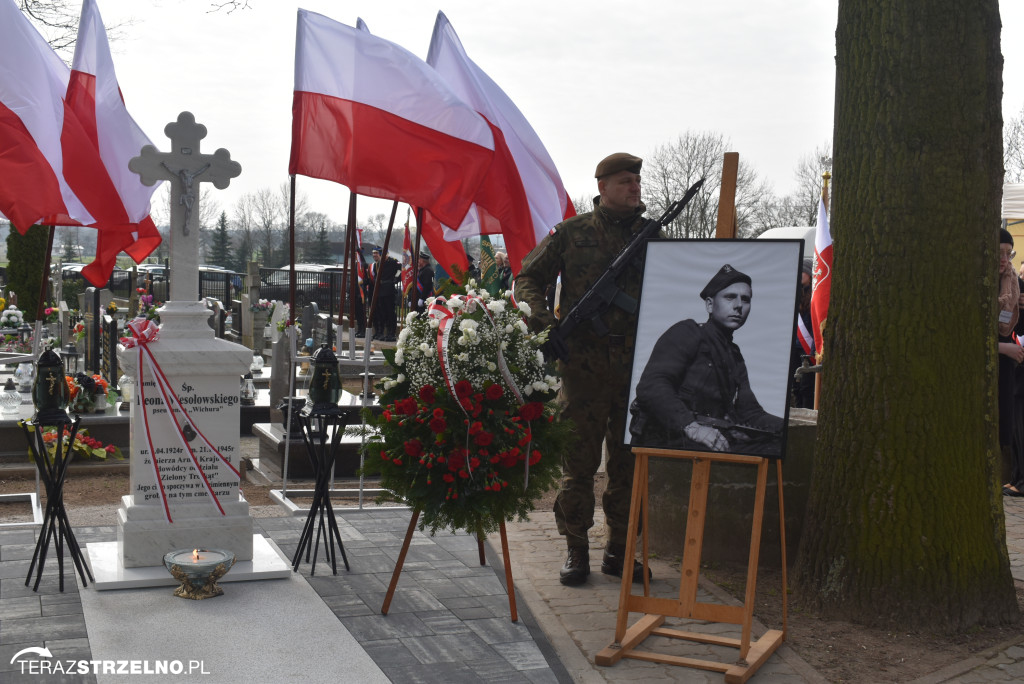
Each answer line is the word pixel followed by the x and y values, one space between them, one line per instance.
pixel 313 283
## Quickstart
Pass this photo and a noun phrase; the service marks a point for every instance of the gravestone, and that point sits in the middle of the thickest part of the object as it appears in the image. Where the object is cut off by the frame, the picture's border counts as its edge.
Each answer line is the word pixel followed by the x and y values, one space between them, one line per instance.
pixel 308 321
pixel 321 326
pixel 184 434
pixel 280 314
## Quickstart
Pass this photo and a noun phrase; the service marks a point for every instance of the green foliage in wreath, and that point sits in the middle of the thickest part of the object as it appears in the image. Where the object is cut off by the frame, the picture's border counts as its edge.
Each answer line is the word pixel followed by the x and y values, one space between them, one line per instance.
pixel 470 435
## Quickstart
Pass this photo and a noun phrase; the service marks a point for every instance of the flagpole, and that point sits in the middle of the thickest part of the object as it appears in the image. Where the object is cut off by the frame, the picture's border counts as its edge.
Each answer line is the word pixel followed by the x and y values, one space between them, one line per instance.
pixel 291 251
pixel 346 257
pixel 415 285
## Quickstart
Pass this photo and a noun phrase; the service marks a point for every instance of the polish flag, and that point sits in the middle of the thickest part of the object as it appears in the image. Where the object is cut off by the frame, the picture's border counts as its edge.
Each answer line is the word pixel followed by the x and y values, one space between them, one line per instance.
pixel 372 116
pixel 117 198
pixel 33 81
pixel 822 279
pixel 533 182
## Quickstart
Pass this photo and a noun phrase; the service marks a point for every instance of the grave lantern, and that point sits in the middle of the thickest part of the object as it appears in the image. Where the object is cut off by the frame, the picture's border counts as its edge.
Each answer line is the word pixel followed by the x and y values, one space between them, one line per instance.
pixel 50 434
pixel 25 332
pixel 325 382
pixel 248 391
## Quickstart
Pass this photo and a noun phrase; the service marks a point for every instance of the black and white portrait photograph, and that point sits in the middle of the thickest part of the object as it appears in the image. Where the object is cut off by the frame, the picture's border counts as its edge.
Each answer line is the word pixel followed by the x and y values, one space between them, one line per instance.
pixel 714 335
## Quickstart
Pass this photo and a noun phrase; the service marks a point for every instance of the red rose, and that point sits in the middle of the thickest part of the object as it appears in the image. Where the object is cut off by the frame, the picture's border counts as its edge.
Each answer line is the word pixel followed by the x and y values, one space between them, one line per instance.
pixel 535 457
pixel 531 411
pixel 414 448
pixel 448 477
pixel 476 427
pixel 387 416
pixel 439 413
pixel 457 459
pixel 474 462
pixel 427 394
pixel 463 388
pixel 495 391
pixel 483 439
pixel 437 425
pixel 406 406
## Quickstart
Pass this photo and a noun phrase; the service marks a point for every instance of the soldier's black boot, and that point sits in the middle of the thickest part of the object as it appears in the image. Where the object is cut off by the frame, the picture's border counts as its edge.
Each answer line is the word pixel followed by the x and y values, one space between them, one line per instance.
pixel 576 568
pixel 611 564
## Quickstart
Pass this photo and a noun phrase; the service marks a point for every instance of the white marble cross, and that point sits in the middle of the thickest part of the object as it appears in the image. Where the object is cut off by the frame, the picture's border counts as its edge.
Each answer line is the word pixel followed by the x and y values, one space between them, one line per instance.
pixel 186 168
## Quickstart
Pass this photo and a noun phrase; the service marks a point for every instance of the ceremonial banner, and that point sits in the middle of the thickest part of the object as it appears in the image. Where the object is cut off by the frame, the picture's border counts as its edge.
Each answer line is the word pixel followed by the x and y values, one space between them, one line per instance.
pixel 822 280
pixel 370 115
pixel 536 180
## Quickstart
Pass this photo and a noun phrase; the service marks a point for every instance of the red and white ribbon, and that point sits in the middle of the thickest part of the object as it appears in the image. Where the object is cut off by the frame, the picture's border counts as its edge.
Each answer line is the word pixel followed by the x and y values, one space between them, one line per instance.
pixel 145 333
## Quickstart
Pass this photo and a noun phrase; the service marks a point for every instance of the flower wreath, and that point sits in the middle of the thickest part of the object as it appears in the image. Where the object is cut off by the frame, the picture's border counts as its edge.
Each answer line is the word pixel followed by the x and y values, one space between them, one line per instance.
pixel 468 433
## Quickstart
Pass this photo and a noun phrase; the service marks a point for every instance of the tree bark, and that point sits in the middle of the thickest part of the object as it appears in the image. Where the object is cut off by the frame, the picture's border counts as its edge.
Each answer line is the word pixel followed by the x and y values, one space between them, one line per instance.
pixel 905 521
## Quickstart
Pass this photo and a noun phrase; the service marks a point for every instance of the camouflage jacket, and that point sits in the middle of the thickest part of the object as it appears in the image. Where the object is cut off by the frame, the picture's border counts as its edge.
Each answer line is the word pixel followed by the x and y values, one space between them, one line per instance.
pixel 580 248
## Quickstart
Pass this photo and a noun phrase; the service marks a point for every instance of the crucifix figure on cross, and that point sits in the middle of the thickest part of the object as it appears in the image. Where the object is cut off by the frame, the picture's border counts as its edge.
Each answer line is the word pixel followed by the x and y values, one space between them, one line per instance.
pixel 185 166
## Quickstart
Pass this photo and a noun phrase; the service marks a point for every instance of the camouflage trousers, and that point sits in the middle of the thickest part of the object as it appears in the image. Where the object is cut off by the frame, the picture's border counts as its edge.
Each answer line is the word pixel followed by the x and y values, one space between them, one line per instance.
pixel 595 389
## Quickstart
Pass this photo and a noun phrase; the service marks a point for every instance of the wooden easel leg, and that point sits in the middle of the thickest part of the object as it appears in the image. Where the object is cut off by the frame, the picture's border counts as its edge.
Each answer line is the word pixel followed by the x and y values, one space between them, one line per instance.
pixel 400 562
pixel 508 573
pixel 752 560
pixel 782 539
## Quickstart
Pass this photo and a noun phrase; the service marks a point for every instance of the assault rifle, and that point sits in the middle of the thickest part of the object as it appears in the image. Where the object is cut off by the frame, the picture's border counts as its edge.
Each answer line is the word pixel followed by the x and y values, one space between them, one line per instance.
pixel 605 292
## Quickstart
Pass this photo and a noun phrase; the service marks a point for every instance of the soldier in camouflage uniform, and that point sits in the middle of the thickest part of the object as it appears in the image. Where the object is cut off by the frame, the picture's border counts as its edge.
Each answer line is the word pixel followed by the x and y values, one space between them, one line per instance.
pixel 595 378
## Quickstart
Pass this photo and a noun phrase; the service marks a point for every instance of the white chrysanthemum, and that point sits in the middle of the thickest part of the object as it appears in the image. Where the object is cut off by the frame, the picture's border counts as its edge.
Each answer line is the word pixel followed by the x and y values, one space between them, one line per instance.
pixel 399 357
pixel 468 324
pixel 463 357
pixel 540 358
pixel 400 379
pixel 508 329
pixel 528 390
pixel 455 303
pixel 504 345
pixel 496 306
pixel 404 335
pixel 540 386
pixel 525 308
pixel 424 347
pixel 462 340
pixel 522 327
pixel 410 317
pixel 434 323
pixel 491 366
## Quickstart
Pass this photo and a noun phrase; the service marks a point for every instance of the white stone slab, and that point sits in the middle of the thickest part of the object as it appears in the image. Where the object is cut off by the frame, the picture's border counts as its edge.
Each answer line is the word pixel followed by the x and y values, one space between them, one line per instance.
pixel 257 631
pixel 267 563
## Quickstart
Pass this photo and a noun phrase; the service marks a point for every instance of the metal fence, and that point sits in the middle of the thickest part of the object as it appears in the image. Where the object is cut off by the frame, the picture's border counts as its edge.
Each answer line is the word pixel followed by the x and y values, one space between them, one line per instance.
pixel 322 287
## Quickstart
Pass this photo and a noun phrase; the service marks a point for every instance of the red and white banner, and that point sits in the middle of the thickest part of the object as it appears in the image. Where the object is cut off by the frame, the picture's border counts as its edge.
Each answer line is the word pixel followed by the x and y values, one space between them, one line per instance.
pixel 406 263
pixel 66 139
pixel 822 280
pixel 371 115
pixel 531 177
pixel 33 82
pixel 117 198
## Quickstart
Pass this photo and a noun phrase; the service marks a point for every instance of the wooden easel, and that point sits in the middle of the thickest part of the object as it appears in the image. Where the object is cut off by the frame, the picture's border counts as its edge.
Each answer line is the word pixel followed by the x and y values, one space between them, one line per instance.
pixel 752 655
pixel 480 549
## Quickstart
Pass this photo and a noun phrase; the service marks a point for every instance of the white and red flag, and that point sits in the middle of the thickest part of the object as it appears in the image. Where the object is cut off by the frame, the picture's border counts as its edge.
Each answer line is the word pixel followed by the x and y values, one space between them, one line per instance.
pixel 371 115
pixel 65 141
pixel 33 82
pixel 525 200
pixel 406 263
pixel 822 279
pixel 118 199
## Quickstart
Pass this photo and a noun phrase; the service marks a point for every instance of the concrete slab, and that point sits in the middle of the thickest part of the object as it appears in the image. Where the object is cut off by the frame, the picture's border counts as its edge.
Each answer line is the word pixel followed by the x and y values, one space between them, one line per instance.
pixel 289 633
pixel 267 563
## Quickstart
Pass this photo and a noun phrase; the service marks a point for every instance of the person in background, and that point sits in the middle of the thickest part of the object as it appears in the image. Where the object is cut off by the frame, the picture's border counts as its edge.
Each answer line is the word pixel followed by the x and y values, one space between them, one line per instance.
pixel 424 283
pixel 504 271
pixel 595 377
pixel 386 319
pixel 803 384
pixel 1011 355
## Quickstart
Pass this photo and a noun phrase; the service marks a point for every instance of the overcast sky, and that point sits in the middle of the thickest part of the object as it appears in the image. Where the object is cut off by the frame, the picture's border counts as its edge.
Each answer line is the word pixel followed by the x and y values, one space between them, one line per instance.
pixel 592 77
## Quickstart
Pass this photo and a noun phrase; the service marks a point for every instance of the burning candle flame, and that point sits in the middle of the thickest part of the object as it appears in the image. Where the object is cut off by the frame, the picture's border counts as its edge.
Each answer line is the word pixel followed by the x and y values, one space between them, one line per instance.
pixel 195 555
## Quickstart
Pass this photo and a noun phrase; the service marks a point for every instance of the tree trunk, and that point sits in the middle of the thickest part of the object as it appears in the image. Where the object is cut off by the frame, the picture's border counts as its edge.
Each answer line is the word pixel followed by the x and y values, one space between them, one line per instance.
pixel 905 521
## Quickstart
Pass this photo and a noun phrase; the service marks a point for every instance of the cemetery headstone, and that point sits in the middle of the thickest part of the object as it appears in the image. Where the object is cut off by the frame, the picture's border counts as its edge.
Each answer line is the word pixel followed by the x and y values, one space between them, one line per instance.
pixel 185 403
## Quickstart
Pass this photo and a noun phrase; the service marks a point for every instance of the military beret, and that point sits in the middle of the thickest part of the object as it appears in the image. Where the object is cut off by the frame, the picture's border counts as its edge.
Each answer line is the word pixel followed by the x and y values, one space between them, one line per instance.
pixel 726 276
pixel 620 161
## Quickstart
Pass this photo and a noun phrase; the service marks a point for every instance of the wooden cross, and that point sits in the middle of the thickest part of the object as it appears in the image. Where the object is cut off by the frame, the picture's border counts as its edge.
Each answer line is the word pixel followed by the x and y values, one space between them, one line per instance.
pixel 185 166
